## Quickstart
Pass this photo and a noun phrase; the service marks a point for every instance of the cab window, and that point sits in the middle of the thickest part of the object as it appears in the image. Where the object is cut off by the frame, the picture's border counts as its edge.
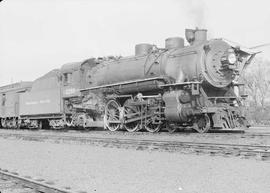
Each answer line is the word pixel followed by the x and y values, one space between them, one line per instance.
pixel 3 99
pixel 67 78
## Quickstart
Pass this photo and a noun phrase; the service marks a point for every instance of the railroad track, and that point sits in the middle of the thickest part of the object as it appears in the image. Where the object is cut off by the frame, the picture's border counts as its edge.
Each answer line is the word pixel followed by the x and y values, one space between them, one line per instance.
pixel 258 151
pixel 12 182
pixel 212 133
pixel 241 135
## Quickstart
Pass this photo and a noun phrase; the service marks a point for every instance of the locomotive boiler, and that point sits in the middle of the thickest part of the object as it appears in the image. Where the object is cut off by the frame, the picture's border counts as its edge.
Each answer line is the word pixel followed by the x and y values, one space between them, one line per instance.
pixel 213 62
pixel 176 86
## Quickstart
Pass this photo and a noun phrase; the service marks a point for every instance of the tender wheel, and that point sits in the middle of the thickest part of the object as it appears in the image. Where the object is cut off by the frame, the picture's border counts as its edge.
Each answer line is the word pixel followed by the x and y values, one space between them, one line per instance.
pixel 202 124
pixel 15 124
pixel 131 112
pixel 112 116
pixel 39 125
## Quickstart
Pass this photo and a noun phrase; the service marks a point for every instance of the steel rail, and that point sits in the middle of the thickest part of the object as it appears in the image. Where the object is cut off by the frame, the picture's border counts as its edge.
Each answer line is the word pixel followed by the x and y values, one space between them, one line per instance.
pixel 32 184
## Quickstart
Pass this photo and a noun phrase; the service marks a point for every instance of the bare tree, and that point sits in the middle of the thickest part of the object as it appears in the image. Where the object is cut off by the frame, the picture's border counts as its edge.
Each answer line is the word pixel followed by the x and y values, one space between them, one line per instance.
pixel 257 86
pixel 257 82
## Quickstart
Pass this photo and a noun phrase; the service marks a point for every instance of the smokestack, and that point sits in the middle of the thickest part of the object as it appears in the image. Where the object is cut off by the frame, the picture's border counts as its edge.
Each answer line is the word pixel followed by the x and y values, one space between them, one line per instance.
pixel 200 36
pixel 190 36
pixel 196 36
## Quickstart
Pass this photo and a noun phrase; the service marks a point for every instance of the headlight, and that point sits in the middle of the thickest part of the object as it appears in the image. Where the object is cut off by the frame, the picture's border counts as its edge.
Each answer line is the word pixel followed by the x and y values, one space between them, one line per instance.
pixel 232 58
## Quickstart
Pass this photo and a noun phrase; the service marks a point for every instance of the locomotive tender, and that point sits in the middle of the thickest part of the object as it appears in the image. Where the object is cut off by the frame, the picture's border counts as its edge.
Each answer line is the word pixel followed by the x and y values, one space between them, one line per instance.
pixel 176 86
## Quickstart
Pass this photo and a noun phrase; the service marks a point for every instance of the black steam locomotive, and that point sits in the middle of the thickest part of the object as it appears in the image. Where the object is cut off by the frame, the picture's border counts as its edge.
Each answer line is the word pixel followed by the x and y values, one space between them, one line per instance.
pixel 176 86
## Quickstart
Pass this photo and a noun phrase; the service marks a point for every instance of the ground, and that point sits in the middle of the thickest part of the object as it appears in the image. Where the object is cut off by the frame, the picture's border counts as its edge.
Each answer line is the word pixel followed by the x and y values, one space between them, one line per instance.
pixel 109 170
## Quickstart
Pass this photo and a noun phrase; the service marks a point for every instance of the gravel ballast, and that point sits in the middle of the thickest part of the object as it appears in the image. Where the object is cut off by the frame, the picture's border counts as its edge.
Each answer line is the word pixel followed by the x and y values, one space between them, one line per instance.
pixel 108 170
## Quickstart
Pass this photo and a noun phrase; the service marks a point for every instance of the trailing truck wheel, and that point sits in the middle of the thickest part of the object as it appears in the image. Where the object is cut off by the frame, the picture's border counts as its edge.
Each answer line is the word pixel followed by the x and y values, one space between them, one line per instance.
pixel 202 124
pixel 131 112
pixel 153 123
pixel 112 116
pixel 151 126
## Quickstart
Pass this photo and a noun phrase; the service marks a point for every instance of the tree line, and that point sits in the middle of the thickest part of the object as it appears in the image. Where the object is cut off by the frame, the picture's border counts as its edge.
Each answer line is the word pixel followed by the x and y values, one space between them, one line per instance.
pixel 257 86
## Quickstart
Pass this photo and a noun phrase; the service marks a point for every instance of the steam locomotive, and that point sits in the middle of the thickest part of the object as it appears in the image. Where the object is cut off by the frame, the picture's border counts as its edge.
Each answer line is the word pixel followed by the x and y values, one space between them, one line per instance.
pixel 173 87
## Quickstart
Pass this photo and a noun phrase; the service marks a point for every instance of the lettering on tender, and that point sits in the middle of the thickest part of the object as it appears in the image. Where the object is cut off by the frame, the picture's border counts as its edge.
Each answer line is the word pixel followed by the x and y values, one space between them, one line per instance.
pixel 38 102
pixel 70 91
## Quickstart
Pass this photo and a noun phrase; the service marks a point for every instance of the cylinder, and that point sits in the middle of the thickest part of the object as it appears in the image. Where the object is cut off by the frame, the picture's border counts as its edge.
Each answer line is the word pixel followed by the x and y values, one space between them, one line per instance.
pixel 143 49
pixel 200 35
pixel 174 42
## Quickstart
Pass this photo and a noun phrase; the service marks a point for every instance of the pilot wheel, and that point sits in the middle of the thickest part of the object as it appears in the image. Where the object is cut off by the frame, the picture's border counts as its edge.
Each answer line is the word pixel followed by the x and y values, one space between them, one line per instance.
pixel 202 124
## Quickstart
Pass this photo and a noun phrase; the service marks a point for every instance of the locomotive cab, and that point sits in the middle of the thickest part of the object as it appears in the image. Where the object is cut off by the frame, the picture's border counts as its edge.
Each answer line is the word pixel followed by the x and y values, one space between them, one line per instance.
pixel 77 108
pixel 71 74
pixel 74 75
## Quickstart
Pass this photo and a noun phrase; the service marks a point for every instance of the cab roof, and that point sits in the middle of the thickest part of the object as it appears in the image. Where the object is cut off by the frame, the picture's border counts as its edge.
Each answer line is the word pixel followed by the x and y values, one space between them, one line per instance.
pixel 73 66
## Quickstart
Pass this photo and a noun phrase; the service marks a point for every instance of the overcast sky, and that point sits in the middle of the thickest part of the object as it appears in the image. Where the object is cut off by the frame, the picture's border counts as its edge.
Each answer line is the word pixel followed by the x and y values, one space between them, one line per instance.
pixel 37 36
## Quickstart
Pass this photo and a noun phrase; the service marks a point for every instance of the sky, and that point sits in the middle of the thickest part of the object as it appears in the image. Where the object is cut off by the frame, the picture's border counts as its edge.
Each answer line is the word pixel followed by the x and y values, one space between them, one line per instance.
pixel 37 36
